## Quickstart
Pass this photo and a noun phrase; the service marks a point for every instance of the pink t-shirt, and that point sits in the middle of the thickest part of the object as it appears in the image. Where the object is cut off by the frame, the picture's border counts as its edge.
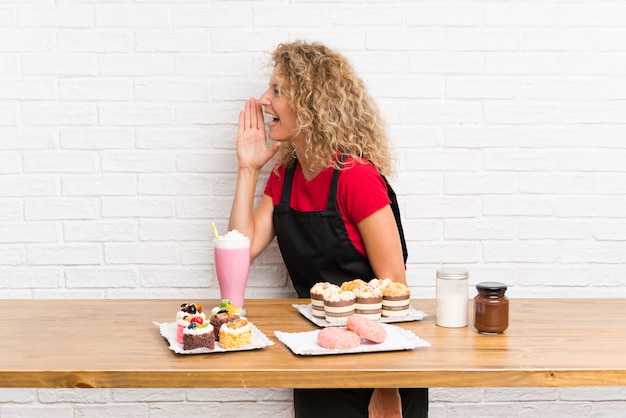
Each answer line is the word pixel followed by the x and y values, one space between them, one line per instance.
pixel 361 191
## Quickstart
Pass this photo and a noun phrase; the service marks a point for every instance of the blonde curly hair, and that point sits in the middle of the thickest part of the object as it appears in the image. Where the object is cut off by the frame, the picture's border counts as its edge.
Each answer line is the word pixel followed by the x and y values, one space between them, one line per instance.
pixel 334 110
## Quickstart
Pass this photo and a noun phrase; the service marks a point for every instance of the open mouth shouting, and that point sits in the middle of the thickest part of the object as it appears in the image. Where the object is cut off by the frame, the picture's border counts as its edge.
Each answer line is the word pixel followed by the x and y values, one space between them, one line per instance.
pixel 271 120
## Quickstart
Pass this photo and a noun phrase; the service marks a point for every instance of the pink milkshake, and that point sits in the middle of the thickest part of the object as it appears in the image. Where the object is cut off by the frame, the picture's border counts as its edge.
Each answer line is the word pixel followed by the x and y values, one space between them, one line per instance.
pixel 232 262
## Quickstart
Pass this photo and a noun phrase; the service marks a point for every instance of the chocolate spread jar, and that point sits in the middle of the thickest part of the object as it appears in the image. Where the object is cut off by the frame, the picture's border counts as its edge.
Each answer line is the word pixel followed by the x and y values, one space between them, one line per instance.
pixel 491 308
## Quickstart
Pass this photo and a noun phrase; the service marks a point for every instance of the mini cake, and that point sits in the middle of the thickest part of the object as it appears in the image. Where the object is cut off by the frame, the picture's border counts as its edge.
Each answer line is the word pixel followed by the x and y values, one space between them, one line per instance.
pixel 337 338
pixel 235 333
pixel 227 306
pixel 352 284
pixel 184 315
pixel 198 335
pixel 366 328
pixel 338 305
pixel 396 299
pixel 221 314
pixel 317 298
pixel 368 302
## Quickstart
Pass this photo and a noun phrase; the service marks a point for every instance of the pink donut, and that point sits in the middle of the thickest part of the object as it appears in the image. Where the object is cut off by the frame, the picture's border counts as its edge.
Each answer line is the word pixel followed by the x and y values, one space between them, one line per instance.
pixel 337 337
pixel 366 328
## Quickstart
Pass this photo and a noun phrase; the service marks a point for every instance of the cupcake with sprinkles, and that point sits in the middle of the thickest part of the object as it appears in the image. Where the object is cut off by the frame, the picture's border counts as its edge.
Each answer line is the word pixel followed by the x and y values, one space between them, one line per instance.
pixel 317 298
pixel 368 302
pixel 396 298
pixel 352 285
pixel 338 305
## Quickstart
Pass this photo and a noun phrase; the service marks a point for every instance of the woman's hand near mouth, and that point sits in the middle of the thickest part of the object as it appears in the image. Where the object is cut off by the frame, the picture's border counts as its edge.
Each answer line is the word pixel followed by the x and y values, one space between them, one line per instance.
pixel 252 153
pixel 252 149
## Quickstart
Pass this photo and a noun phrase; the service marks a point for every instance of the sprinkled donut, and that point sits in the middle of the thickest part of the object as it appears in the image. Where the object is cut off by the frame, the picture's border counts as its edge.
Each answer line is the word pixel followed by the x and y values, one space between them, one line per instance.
pixel 337 337
pixel 366 328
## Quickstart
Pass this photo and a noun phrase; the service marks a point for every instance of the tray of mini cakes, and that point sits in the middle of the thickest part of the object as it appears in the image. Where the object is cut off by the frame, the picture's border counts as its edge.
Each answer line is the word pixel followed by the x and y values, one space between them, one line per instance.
pixel 224 329
pixel 356 317
pixel 383 301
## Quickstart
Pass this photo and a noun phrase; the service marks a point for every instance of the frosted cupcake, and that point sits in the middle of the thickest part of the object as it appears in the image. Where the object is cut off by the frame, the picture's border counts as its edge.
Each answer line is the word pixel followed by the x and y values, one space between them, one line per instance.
pixel 396 299
pixel 317 298
pixel 352 285
pixel 368 302
pixel 338 305
pixel 379 283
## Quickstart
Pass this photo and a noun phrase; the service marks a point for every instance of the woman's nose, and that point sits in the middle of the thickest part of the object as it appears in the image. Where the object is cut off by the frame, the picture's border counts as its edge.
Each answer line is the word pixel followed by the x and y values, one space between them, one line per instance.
pixel 263 99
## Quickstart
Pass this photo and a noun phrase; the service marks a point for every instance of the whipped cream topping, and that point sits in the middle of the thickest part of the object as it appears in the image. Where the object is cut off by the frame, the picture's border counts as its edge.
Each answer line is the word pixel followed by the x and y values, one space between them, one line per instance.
pixel 181 315
pixel 236 331
pixel 321 287
pixel 336 295
pixel 198 330
pixel 232 240
pixel 368 291
pixel 379 283
pixel 233 234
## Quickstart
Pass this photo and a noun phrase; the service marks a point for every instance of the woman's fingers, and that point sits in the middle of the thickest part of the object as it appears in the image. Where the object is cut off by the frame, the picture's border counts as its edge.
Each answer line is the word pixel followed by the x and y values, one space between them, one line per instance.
pixel 241 122
pixel 246 112
pixel 251 136
pixel 253 113
pixel 260 119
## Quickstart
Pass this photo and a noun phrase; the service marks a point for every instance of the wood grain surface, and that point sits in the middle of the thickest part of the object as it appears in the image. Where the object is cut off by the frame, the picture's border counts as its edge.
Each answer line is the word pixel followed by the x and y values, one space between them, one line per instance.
pixel 115 344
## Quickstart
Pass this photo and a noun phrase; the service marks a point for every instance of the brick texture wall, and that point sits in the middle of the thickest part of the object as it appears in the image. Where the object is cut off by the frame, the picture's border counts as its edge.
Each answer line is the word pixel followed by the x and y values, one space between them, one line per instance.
pixel 117 129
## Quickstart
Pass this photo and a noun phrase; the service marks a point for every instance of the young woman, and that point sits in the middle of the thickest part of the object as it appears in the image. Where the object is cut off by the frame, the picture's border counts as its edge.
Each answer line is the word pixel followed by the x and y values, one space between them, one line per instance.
pixel 327 201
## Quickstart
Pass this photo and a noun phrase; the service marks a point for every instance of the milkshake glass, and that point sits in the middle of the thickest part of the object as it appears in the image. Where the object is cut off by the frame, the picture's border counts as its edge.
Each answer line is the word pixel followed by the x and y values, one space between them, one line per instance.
pixel 232 263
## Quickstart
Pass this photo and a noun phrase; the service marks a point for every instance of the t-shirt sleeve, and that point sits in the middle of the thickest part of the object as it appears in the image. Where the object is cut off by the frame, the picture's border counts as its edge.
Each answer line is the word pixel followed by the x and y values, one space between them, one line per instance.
pixel 361 192
pixel 274 185
pixel 269 185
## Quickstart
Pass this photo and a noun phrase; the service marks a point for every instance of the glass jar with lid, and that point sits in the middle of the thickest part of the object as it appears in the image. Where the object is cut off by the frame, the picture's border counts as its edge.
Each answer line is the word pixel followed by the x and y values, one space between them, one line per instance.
pixel 491 308
pixel 452 297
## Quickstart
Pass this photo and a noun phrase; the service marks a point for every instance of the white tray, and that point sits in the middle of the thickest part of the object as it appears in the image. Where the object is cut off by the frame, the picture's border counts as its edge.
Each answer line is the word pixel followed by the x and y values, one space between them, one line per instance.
pixel 168 331
pixel 305 343
pixel 307 312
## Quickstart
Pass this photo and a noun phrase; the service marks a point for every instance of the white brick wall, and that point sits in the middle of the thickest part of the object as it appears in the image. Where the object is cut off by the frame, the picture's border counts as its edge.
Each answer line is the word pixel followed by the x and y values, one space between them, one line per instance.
pixel 117 126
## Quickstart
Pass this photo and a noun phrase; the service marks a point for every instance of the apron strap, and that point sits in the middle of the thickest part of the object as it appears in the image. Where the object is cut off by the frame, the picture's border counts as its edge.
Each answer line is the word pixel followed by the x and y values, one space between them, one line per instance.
pixel 332 204
pixel 396 213
pixel 285 197
pixel 332 198
pixel 332 193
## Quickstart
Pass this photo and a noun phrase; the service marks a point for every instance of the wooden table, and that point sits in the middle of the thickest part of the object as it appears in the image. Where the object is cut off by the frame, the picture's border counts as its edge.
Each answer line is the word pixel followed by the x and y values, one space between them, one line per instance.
pixel 114 344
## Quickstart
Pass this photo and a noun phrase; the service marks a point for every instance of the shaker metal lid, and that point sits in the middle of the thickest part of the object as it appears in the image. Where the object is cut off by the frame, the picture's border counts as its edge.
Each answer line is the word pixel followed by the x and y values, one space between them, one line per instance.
pixel 491 286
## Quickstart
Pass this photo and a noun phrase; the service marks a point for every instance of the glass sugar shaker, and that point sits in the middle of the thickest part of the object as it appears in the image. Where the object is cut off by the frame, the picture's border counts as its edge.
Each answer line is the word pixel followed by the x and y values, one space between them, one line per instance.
pixel 452 297
pixel 491 308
